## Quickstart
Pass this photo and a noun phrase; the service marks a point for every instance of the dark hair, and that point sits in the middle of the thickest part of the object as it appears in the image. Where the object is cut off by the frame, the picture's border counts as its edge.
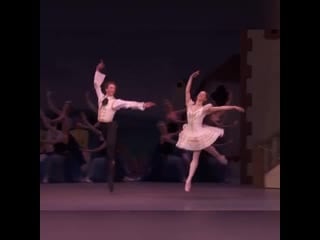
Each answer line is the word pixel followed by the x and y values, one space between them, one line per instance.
pixel 105 85
pixel 220 95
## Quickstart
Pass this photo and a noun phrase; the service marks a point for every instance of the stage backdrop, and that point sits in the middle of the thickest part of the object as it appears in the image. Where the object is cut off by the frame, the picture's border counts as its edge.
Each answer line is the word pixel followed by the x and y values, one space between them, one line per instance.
pixel 262 89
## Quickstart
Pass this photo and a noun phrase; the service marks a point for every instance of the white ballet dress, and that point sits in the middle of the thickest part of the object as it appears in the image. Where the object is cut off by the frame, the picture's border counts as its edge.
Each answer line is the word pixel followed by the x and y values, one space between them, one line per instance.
pixel 195 135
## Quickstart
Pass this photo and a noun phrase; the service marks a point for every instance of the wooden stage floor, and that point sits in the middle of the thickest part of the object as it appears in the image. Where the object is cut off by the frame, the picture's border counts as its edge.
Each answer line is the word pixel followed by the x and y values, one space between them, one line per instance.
pixel 155 211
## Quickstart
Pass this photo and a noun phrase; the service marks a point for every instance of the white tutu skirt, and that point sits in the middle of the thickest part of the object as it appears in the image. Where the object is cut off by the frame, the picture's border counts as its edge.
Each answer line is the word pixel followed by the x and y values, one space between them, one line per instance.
pixel 199 138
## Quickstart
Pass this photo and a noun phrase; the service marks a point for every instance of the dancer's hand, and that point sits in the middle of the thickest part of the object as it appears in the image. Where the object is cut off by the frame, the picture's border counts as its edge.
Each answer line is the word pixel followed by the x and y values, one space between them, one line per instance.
pixel 148 104
pixel 100 66
pixel 195 74
pixel 240 109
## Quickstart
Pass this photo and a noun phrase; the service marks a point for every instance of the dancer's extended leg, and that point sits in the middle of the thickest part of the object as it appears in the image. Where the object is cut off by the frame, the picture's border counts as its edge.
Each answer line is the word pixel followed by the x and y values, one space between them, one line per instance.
pixel 213 151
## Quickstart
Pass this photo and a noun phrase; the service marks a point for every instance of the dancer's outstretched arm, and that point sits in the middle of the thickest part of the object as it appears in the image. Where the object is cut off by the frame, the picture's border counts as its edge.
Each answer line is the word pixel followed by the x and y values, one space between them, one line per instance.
pixel 211 109
pixel 119 104
pixel 188 87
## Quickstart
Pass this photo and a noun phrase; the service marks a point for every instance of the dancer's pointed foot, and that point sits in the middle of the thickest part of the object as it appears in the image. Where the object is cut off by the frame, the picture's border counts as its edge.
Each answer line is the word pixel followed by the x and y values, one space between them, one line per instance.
pixel 187 186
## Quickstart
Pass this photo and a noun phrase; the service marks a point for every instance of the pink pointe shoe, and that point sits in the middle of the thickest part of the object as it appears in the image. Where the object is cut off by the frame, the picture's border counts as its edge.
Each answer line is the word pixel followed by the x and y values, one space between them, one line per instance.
pixel 187 186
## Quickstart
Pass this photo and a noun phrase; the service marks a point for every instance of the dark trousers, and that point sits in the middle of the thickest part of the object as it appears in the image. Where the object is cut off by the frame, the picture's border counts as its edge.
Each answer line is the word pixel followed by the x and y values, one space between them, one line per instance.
pixel 109 132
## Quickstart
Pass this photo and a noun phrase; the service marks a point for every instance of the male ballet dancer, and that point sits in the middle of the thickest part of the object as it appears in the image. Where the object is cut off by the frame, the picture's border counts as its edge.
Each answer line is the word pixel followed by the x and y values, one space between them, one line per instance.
pixel 108 105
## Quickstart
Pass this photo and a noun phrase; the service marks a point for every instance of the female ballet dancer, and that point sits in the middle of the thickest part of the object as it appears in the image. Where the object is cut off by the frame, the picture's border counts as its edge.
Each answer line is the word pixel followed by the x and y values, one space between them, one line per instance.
pixel 196 136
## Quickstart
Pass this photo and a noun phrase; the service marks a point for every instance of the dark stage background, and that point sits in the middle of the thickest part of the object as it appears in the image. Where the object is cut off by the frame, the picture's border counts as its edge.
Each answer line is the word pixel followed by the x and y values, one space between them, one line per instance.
pixel 147 49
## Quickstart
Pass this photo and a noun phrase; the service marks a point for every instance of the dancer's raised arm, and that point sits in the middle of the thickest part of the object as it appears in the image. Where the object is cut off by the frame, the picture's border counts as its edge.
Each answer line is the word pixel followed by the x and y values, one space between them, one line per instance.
pixel 188 87
pixel 98 80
